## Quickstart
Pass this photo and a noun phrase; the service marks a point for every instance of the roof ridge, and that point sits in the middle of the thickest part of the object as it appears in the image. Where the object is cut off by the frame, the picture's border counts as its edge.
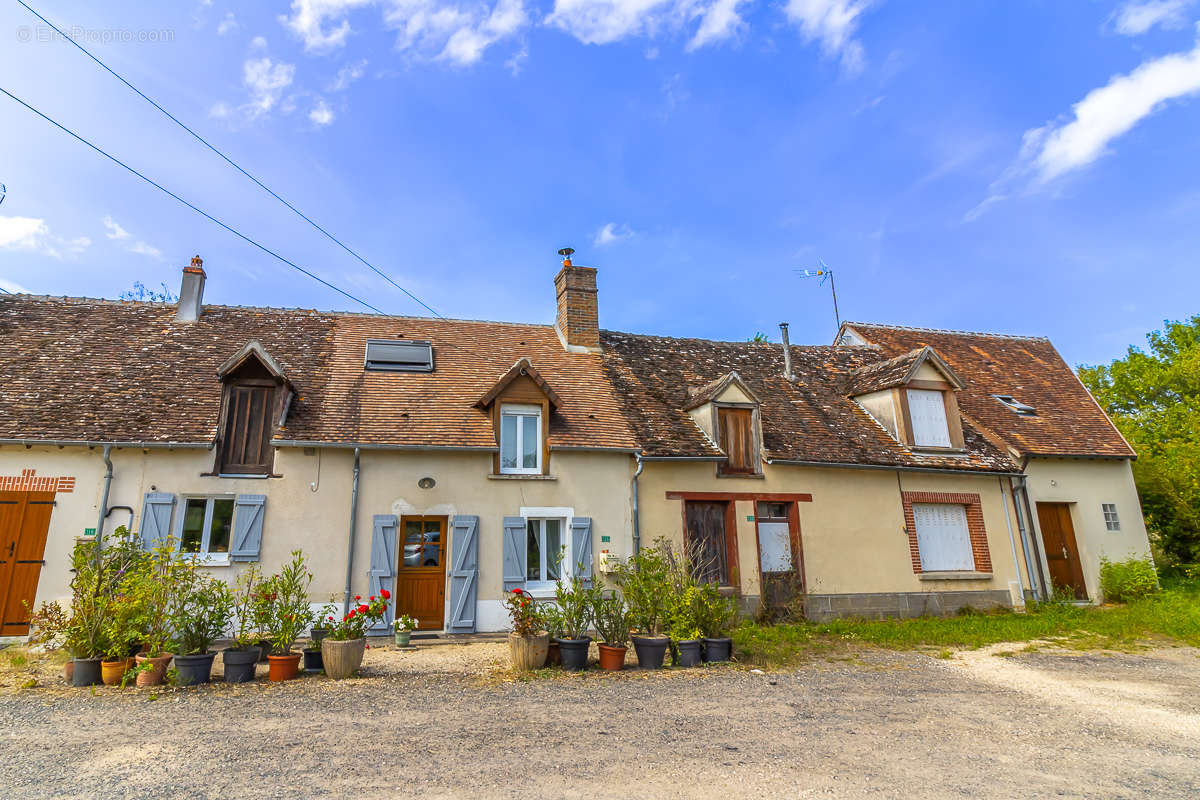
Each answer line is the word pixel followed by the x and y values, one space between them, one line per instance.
pixel 946 330
pixel 728 342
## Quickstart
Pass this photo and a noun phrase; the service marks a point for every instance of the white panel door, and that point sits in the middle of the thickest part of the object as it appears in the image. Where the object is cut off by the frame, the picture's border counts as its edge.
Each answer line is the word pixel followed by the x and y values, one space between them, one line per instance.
pixel 928 412
pixel 943 537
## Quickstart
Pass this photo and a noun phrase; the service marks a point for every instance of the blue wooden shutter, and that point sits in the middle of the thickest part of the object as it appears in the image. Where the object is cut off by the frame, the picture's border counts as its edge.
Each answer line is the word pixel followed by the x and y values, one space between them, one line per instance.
pixel 515 554
pixel 581 547
pixel 382 574
pixel 156 519
pixel 464 573
pixel 248 513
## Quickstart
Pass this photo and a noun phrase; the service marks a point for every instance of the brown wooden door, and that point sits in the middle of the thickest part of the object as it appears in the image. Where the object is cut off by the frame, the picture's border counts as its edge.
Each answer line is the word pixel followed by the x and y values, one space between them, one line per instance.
pixel 1062 553
pixel 421 574
pixel 708 539
pixel 24 523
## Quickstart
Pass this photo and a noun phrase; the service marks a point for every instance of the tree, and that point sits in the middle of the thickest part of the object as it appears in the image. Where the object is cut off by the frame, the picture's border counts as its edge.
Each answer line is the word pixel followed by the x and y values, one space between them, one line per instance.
pixel 1154 399
pixel 140 293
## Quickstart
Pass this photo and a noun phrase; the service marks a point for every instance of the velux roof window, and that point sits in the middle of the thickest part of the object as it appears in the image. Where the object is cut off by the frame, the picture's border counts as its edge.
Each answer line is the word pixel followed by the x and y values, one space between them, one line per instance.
pixel 1016 405
pixel 398 355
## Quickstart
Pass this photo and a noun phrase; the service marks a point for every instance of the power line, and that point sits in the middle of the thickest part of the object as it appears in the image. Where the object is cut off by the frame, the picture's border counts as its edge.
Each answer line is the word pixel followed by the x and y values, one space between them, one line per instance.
pixel 203 213
pixel 6 291
pixel 230 161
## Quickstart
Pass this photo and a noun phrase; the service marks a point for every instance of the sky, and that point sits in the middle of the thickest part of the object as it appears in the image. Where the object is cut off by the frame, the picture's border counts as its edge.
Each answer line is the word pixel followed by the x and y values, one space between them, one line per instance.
pixel 1027 167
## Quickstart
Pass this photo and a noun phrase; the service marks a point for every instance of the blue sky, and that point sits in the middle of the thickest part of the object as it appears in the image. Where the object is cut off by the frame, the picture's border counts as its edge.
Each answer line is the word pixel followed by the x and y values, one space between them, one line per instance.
pixel 1022 167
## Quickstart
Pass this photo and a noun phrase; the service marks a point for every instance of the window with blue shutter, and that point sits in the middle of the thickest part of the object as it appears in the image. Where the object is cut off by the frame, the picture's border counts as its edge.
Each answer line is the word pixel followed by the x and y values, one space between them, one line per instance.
pixel 464 573
pixel 382 574
pixel 514 553
pixel 156 519
pixel 581 548
pixel 249 511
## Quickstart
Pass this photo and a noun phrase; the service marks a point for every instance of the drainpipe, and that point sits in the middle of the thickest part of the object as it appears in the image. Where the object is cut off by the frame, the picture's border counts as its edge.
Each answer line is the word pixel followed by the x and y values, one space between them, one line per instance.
pixel 787 351
pixel 637 530
pixel 353 521
pixel 1033 561
pixel 108 476
pixel 1011 540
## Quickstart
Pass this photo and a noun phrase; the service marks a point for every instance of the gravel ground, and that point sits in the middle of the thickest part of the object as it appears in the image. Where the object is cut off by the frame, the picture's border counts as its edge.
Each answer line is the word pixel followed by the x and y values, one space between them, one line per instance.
pixel 448 721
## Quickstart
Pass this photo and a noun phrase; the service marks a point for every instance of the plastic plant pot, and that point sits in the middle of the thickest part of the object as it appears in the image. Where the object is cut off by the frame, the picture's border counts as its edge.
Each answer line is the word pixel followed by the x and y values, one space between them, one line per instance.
pixel 194 669
pixel 240 665
pixel 651 650
pixel 574 652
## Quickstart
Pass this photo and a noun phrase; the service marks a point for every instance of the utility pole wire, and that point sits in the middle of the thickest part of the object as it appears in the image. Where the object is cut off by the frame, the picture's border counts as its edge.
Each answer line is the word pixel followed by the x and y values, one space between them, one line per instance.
pixel 231 162
pixel 199 211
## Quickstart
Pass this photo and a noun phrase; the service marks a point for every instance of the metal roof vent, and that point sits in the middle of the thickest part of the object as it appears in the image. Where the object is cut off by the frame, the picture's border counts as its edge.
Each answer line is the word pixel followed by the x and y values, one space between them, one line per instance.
pixel 398 355
pixel 1016 405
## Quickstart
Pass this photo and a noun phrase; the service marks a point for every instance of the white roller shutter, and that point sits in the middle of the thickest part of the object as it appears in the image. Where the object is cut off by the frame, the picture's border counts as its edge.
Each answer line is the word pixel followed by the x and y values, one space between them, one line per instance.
pixel 928 412
pixel 943 537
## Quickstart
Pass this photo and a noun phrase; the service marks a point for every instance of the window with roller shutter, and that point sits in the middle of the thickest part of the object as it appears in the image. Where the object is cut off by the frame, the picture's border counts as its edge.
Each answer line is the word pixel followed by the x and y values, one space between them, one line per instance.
pixel 927 409
pixel 943 537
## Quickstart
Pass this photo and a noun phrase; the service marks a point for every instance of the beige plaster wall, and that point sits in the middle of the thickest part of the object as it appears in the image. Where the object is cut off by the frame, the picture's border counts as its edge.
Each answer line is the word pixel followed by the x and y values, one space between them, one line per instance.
pixel 853 533
pixel 1086 485
pixel 309 507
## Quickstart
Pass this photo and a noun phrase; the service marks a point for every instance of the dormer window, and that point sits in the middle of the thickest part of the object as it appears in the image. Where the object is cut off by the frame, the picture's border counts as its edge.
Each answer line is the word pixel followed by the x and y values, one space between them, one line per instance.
pixel 520 440
pixel 913 398
pixel 727 410
pixel 255 399
pixel 520 403
pixel 927 409
pixel 1016 405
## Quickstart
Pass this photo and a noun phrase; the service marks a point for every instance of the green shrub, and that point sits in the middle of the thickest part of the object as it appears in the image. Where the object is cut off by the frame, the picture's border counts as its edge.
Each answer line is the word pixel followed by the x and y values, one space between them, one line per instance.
pixel 1131 579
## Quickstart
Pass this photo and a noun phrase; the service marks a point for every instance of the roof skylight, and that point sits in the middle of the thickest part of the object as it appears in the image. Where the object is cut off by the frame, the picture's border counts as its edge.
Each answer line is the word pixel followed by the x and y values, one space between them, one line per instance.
pixel 398 355
pixel 1016 405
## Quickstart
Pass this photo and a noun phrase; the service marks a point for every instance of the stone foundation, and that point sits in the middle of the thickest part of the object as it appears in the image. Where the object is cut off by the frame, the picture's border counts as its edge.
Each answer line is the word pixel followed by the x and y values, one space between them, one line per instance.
pixel 904 605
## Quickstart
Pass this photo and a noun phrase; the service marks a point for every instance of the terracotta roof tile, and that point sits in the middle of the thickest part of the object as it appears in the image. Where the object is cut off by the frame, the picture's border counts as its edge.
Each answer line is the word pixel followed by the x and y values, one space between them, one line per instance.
pixel 1067 422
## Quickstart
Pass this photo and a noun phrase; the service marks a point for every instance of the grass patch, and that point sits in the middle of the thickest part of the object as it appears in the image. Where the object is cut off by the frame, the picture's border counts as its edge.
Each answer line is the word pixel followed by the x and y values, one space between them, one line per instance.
pixel 1173 613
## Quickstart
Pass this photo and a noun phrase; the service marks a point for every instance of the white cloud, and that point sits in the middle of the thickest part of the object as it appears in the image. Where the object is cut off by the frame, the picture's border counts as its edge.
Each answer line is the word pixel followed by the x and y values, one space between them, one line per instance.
pixel 607 21
pixel 13 287
pixel 720 22
pixel 449 32
pixel 1138 16
pixel 833 24
pixel 347 75
pixel 220 111
pixel 143 249
pixel 258 43
pixel 1103 115
pixel 33 236
pixel 321 114
pixel 321 24
pixel 266 81
pixel 115 231
pixel 227 25
pixel 611 233
pixel 517 60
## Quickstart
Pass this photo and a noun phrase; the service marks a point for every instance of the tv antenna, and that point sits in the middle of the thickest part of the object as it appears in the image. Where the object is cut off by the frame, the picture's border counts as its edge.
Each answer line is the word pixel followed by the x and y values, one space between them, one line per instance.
pixel 825 274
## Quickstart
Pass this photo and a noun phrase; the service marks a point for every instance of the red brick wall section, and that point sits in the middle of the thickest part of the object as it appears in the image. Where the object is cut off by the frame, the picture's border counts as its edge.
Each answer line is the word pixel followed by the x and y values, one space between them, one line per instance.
pixel 979 545
pixel 27 481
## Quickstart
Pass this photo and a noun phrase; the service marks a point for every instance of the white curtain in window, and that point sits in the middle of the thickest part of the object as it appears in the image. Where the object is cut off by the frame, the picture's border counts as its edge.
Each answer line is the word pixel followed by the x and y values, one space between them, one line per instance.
pixel 943 537
pixel 928 413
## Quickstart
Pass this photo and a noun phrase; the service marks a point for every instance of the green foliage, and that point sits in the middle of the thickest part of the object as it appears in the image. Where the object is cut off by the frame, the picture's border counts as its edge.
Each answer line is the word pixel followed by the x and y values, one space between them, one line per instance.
pixel 716 613
pixel 550 620
pixel 523 613
pixel 575 602
pixel 153 595
pixel 683 616
pixel 284 610
pixel 645 582
pixel 759 338
pixel 1132 579
pixel 1154 399
pixel 201 609
pixel 245 598
pixel 613 618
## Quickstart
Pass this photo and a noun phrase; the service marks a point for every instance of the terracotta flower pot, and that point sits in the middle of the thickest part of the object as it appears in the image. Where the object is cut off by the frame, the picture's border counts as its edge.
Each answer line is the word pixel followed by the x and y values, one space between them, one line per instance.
pixel 612 657
pixel 528 652
pixel 342 659
pixel 283 668
pixel 111 672
pixel 157 672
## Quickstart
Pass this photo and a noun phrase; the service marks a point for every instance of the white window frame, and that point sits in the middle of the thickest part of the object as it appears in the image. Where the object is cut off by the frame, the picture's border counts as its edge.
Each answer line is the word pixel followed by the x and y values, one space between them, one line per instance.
pixel 962 555
pixel 545 589
pixel 1112 520
pixel 518 411
pixel 916 398
pixel 203 555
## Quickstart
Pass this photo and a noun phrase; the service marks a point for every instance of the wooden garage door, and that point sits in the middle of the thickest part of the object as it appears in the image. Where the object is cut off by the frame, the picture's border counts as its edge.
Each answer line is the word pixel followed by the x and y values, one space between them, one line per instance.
pixel 24 522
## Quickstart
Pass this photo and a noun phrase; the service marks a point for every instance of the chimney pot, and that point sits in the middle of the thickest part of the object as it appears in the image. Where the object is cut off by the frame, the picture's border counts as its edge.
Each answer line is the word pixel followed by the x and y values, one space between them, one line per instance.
pixel 787 352
pixel 577 322
pixel 191 291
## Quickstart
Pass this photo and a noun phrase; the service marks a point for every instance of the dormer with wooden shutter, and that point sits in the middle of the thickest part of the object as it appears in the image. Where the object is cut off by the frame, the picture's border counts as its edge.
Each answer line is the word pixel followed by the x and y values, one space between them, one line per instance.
pixel 913 396
pixel 255 398
pixel 728 412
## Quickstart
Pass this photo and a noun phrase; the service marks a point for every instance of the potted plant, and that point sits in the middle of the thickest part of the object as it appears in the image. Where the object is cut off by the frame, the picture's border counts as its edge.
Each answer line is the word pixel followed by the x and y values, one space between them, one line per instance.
pixel 320 629
pixel 312 656
pixel 644 583
pixel 527 643
pixel 612 623
pixel 321 626
pixel 342 650
pixel 203 606
pixel 154 593
pixel 85 633
pixel 288 615
pixel 122 633
pixel 404 626
pixel 264 597
pixel 241 657
pixel 574 603
pixel 717 616
pixel 551 622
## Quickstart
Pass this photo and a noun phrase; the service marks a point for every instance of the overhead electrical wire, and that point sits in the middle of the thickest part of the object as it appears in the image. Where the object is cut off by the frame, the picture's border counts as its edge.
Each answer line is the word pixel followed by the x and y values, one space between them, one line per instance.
pixel 230 161
pixel 199 211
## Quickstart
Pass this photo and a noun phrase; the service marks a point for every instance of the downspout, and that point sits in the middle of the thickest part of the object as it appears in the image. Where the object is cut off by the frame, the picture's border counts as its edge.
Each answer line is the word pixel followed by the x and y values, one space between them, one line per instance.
pixel 1033 560
pixel 108 476
pixel 1012 540
pixel 637 531
pixel 353 525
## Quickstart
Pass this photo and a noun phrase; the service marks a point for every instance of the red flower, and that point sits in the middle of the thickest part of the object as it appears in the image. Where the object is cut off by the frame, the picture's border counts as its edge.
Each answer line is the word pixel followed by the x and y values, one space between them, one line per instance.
pixel 518 591
pixel 371 598
pixel 363 609
pixel 386 594
pixel 358 597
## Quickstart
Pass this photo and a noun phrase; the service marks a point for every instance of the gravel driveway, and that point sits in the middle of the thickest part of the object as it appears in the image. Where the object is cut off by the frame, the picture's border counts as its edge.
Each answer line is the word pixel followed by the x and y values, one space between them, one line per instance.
pixel 443 723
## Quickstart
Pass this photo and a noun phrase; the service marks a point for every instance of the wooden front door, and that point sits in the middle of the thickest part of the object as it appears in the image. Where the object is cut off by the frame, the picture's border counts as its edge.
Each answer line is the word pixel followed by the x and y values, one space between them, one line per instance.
pixel 421 574
pixel 710 541
pixel 1062 553
pixel 24 523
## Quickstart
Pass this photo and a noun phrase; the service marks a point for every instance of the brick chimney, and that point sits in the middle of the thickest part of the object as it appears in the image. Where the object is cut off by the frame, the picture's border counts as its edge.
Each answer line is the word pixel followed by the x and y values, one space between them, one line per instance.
pixel 578 323
pixel 191 292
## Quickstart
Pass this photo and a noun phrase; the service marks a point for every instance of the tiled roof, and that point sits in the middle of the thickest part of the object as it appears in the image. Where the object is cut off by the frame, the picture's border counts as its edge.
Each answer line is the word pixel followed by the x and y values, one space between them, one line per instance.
pixel 710 390
pixel 810 419
pixel 97 370
pixel 1068 421
pixel 883 374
